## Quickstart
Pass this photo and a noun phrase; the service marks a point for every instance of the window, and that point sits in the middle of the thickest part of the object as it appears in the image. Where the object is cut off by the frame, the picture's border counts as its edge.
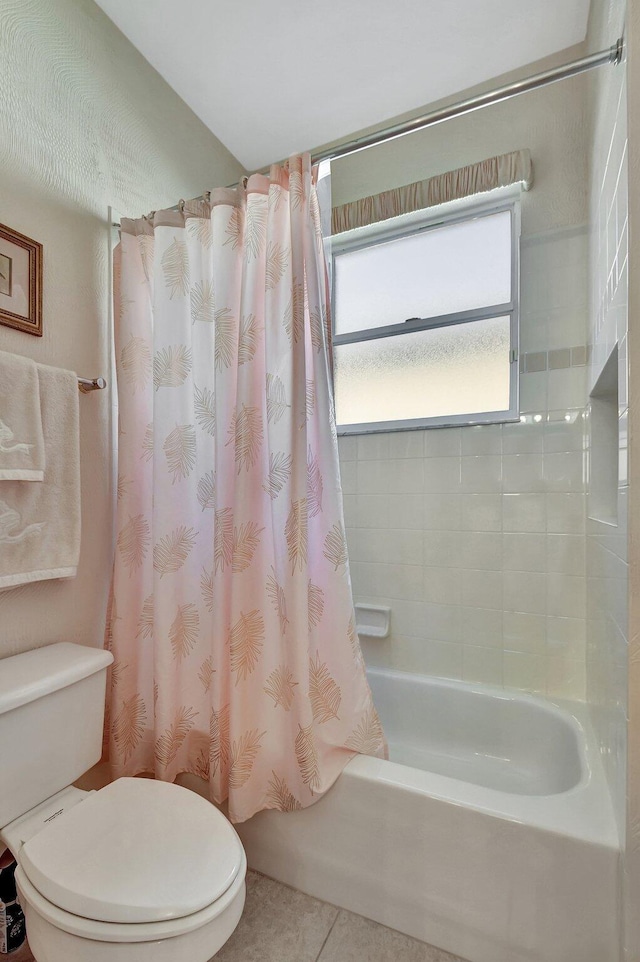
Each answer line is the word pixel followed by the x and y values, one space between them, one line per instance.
pixel 426 322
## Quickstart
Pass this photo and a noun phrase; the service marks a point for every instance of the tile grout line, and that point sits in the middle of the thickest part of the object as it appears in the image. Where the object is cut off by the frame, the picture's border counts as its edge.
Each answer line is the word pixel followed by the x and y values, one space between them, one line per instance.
pixel 322 947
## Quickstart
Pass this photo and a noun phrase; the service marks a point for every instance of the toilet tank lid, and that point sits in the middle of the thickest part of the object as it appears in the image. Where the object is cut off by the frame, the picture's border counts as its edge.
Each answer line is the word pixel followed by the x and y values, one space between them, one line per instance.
pixel 36 673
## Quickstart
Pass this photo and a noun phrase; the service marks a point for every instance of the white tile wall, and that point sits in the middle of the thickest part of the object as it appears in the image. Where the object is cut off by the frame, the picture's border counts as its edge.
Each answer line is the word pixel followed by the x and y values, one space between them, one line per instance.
pixel 475 537
pixel 606 660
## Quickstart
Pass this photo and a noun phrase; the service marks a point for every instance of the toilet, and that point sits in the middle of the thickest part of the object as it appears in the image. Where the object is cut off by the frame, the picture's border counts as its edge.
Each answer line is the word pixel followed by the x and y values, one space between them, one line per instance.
pixel 141 870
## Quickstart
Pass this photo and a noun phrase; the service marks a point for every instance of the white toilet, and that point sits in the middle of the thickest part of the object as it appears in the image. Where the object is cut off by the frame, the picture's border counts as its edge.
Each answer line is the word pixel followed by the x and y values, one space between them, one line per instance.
pixel 138 871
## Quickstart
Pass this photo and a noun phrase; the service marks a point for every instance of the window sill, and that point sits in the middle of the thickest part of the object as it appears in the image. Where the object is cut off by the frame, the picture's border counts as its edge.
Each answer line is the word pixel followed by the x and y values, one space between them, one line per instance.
pixel 425 424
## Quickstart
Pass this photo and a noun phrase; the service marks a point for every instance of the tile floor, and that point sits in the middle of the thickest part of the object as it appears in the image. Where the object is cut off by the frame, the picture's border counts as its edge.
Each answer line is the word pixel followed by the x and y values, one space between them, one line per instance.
pixel 280 924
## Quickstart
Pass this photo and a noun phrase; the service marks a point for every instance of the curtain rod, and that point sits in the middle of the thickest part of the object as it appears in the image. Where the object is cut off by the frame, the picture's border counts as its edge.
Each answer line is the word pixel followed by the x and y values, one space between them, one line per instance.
pixel 612 55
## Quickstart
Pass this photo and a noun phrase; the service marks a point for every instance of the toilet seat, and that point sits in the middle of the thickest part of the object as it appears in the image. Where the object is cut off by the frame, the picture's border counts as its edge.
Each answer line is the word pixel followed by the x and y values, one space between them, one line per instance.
pixel 126 932
pixel 139 856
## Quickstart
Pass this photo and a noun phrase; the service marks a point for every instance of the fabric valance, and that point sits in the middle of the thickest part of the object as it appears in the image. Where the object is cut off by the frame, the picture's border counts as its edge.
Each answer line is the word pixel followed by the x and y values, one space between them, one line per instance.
pixel 502 171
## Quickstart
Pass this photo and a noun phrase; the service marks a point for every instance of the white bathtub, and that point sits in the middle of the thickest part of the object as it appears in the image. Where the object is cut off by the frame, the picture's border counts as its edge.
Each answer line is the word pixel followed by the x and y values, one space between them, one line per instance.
pixel 488 833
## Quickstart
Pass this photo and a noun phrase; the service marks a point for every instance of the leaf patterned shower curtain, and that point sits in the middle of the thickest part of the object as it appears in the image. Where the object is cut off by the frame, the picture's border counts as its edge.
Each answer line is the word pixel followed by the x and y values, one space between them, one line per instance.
pixel 231 623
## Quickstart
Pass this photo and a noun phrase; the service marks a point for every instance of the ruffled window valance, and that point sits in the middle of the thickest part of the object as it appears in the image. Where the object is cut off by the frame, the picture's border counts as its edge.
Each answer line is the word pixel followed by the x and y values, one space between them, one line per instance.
pixel 502 171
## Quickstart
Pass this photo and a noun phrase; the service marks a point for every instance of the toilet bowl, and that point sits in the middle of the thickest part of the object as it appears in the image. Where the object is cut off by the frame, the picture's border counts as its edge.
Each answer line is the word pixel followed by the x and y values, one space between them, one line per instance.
pixel 55 935
pixel 140 870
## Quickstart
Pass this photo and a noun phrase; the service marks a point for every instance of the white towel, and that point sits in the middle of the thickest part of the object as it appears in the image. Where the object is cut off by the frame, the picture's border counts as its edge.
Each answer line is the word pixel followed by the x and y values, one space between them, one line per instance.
pixel 21 441
pixel 40 523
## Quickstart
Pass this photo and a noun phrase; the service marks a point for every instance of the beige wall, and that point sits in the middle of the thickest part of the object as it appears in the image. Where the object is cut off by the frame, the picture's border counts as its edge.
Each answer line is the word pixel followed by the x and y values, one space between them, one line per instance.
pixel 85 123
pixel 551 122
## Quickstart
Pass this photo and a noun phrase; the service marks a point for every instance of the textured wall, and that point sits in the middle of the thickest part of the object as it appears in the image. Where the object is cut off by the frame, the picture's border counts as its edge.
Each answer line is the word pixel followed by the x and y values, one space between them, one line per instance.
pixel 84 122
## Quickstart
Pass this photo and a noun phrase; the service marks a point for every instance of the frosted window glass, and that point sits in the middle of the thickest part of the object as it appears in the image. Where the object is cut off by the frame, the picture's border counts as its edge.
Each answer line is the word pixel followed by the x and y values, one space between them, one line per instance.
pixel 439 372
pixel 458 267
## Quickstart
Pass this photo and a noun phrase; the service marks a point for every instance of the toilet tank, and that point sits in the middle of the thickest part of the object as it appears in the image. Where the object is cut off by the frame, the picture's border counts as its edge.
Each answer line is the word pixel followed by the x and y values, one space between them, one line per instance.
pixel 51 720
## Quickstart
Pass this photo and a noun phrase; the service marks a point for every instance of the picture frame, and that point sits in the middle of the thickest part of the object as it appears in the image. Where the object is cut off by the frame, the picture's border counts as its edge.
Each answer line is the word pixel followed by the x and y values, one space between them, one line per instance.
pixel 20 281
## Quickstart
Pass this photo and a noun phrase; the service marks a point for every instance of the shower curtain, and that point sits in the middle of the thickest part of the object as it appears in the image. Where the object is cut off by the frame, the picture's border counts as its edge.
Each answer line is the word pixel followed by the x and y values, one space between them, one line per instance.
pixel 231 622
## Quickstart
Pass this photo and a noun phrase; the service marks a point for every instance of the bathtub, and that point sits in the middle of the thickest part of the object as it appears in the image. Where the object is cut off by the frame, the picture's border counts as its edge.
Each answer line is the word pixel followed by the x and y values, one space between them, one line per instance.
pixel 488 833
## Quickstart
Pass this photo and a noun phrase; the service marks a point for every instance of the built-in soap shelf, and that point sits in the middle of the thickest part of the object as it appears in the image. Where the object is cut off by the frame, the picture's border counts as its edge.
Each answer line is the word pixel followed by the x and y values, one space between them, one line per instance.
pixel 373 621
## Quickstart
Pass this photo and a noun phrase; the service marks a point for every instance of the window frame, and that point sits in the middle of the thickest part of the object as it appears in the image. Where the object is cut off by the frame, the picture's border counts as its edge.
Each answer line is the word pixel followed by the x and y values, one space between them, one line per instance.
pixel 431 221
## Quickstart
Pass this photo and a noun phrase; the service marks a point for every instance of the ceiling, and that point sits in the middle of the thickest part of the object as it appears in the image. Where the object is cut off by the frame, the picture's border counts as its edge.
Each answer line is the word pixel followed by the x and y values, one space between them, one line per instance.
pixel 273 78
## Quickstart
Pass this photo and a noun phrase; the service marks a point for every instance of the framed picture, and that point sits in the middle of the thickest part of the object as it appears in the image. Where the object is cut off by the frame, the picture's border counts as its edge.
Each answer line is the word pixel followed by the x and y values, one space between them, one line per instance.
pixel 20 281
